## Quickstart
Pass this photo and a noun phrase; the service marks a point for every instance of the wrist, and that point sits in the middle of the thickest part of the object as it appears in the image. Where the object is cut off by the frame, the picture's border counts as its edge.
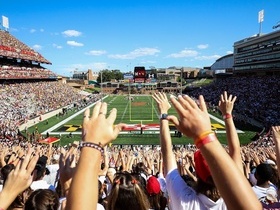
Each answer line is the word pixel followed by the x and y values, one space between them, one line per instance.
pixel 202 135
pixel 205 140
pixel 163 116
pixel 93 146
pixel 6 198
pixel 227 116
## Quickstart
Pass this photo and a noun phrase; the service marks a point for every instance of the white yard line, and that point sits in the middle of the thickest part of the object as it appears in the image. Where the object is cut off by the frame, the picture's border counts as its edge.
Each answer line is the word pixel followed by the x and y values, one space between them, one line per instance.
pixel 124 112
pixel 69 118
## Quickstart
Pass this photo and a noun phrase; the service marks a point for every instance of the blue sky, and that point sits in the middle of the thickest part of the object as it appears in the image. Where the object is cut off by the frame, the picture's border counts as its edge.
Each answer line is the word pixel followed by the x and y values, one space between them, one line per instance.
pixel 121 34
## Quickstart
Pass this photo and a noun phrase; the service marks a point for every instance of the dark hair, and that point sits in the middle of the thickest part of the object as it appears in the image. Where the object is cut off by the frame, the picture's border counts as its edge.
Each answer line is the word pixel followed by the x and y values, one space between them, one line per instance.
pixel 42 199
pixel 157 201
pixel 264 172
pixel 126 193
pixel 5 171
pixel 207 188
pixel 40 171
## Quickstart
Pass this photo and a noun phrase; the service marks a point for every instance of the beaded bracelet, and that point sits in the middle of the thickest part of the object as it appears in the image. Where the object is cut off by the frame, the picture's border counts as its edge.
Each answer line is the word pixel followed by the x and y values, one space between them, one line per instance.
pixel 207 139
pixel 92 145
pixel 227 116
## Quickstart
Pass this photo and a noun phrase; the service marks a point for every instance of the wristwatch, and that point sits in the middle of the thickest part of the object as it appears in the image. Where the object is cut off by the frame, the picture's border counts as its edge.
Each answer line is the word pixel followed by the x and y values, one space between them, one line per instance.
pixel 163 116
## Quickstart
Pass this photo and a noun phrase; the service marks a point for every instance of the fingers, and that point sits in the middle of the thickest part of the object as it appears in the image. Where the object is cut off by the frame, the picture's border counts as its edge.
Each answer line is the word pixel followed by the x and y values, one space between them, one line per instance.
pixel 174 120
pixel 203 106
pixel 96 110
pixel 103 110
pixel 117 129
pixel 190 103
pixel 234 99
pixel 225 95
pixel 32 163
pixel 112 117
pixel 87 114
pixel 179 108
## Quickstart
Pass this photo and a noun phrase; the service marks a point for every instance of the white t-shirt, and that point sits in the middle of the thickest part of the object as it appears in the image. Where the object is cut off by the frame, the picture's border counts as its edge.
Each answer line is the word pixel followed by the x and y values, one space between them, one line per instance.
pixel 183 197
pixel 262 192
pixel 41 184
pixel 51 178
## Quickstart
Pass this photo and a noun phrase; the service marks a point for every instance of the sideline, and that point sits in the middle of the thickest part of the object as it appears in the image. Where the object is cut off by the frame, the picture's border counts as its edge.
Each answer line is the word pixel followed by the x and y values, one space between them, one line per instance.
pixel 70 118
pixel 223 123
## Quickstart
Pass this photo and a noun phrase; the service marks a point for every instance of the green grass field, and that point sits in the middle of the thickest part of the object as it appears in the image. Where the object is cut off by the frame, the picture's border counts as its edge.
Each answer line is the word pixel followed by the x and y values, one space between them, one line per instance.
pixel 141 110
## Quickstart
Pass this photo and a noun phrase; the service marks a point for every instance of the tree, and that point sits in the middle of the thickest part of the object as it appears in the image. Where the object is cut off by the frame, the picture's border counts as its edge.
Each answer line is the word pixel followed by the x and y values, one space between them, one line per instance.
pixel 108 75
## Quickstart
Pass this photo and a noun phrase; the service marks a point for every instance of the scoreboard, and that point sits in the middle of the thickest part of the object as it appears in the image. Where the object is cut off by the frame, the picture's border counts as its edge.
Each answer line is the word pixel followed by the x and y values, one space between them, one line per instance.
pixel 139 74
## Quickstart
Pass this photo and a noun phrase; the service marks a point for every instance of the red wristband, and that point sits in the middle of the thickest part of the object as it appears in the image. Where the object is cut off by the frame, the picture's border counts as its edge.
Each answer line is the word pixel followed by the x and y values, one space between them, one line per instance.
pixel 202 135
pixel 207 139
pixel 227 116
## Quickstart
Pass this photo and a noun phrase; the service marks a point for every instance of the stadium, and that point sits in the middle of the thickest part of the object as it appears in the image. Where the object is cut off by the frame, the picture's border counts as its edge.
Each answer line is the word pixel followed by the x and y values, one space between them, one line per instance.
pixel 55 153
pixel 251 73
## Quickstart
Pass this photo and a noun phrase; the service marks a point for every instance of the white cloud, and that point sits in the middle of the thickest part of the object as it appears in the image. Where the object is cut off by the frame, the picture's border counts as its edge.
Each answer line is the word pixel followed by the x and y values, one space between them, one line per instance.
pixel 229 52
pixel 37 47
pixel 84 67
pixel 71 33
pixel 96 52
pixel 210 57
pixel 148 62
pixel 202 46
pixel 136 53
pixel 184 53
pixel 75 44
pixel 32 30
pixel 57 46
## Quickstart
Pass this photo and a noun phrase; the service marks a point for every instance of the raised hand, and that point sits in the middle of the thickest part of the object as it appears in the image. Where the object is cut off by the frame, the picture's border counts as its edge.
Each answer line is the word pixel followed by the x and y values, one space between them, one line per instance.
pixel 226 103
pixel 276 133
pixel 97 128
pixel 19 179
pixel 162 102
pixel 193 120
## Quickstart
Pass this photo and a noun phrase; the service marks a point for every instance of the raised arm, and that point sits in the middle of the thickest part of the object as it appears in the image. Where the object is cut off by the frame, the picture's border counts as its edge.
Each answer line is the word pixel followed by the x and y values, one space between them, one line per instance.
pixel 276 139
pixel 226 104
pixel 231 183
pixel 97 131
pixel 168 157
pixel 19 179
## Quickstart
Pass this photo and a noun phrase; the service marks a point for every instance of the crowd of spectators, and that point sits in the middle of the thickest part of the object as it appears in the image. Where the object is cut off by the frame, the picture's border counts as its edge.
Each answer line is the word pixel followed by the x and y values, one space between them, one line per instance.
pixel 258 97
pixel 13 48
pixel 21 102
pixel 144 176
pixel 17 72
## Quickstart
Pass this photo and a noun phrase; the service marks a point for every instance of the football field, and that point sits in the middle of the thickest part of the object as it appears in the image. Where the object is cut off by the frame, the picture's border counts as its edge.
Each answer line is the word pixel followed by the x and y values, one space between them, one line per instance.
pixel 139 112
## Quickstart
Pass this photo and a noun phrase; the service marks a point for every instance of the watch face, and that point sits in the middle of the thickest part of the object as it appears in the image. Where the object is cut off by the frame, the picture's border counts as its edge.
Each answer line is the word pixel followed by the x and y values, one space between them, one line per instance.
pixel 163 116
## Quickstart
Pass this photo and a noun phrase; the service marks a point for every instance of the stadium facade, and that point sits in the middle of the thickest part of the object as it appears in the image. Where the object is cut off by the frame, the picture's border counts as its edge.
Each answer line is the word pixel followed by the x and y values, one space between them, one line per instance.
pixel 258 54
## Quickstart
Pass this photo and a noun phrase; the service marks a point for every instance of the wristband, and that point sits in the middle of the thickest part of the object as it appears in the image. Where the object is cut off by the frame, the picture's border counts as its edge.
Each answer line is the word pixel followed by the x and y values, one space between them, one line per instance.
pixel 91 145
pixel 207 139
pixel 202 135
pixel 227 116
